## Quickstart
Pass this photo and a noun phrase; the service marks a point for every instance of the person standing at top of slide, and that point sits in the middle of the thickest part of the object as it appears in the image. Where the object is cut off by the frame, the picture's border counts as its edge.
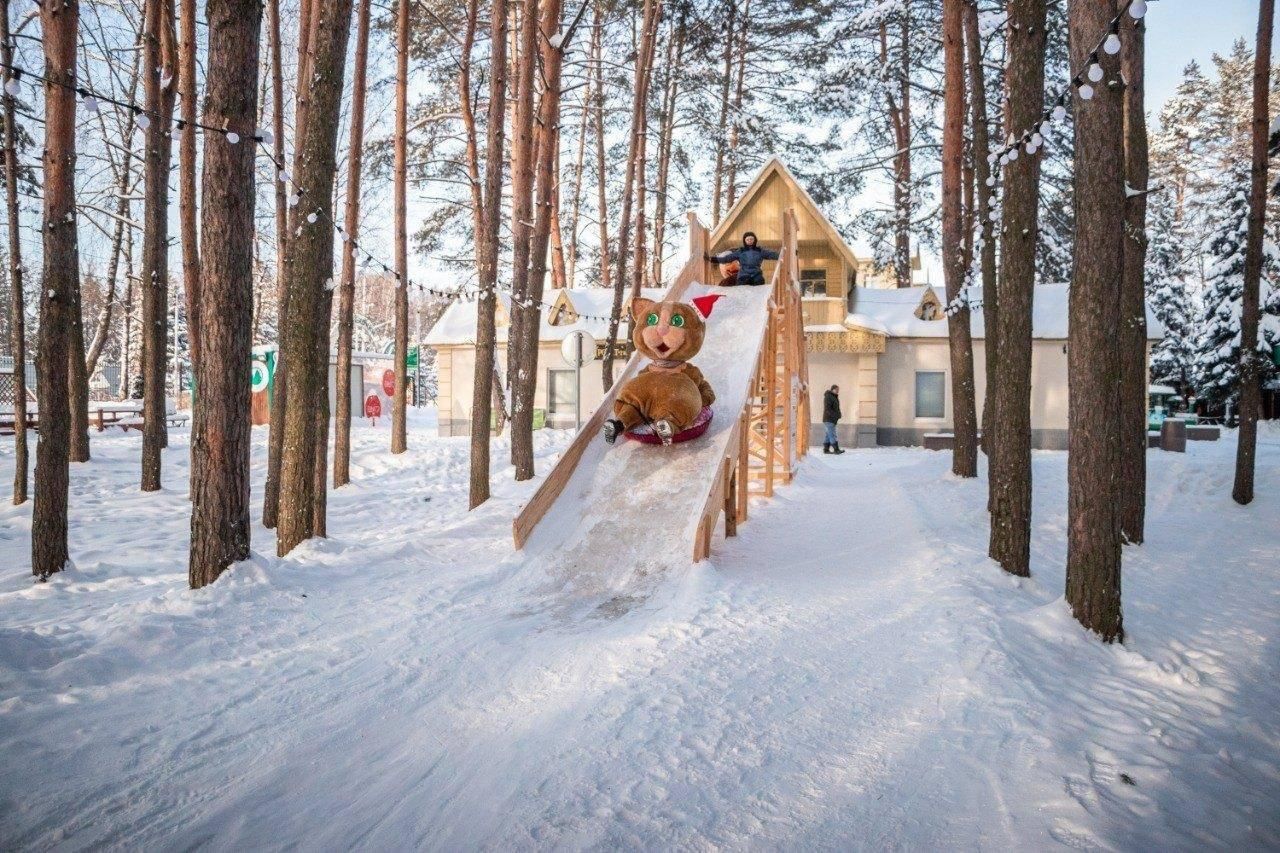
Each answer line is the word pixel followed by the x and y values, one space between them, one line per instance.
pixel 750 255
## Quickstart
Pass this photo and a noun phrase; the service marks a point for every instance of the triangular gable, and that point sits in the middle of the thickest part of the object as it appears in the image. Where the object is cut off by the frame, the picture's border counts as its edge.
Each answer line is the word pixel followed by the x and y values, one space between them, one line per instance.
pixel 562 312
pixel 776 166
pixel 929 307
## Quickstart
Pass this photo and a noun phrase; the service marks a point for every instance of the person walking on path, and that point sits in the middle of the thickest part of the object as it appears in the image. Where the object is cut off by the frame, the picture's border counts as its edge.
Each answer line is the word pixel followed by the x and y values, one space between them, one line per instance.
pixel 830 417
pixel 750 256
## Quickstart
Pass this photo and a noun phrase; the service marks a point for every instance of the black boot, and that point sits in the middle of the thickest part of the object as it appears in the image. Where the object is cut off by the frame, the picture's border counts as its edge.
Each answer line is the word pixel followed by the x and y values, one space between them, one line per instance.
pixel 835 448
pixel 612 429
pixel 826 447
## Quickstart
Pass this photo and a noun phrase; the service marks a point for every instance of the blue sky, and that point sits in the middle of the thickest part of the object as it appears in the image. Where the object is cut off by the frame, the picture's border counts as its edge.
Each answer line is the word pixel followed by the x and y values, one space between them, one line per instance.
pixel 1181 30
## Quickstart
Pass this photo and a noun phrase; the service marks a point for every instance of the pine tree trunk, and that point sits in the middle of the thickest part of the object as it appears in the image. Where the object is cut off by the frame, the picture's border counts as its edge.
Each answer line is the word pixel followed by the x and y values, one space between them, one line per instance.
pixel 735 126
pixel 126 343
pixel 399 402
pixel 220 432
pixel 666 139
pixel 579 169
pixel 347 289
pixel 899 110
pixel 1093 367
pixel 487 258
pixel 726 82
pixel 639 102
pixel 60 24
pixel 549 131
pixel 522 374
pixel 18 329
pixel 275 440
pixel 602 196
pixel 559 274
pixel 310 269
pixel 1132 332
pixel 1250 358
pixel 964 459
pixel 187 179
pixel 1010 444
pixel 157 63
pixel 640 156
pixel 78 381
pixel 986 241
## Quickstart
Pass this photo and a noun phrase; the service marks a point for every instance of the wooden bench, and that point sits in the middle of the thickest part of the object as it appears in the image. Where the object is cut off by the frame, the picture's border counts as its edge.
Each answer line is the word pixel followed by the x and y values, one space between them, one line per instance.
pixel 174 419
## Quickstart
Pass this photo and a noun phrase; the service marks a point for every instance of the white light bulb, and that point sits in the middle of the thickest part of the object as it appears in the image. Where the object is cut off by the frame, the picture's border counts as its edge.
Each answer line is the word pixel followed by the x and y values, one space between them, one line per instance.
pixel 1095 72
pixel 293 200
pixel 266 135
pixel 1112 44
pixel 1059 112
pixel 311 217
pixel 991 180
pixel 991 158
pixel 1037 140
pixel 1004 159
pixel 1013 153
pixel 1138 8
pixel 233 137
pixel 282 176
pixel 994 216
pixel 143 121
pixel 1086 92
pixel 91 104
pixel 1044 129
pixel 11 86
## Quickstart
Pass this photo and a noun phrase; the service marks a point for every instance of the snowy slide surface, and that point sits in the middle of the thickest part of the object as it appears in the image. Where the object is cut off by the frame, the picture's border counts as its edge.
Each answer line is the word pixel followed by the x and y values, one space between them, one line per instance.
pixel 631 509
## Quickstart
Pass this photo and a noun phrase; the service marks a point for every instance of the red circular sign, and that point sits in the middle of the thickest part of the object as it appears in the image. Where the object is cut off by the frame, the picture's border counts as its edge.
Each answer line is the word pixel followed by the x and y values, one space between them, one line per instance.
pixel 389 382
pixel 372 406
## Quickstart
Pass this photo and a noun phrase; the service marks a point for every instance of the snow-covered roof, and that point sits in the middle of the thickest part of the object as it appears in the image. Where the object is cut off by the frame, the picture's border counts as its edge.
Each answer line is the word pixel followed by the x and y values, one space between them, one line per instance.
pixel 458 323
pixel 892 312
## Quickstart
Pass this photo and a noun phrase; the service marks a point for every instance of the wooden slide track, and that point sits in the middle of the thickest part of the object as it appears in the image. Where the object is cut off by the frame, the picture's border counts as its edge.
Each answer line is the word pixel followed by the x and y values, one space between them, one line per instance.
pixel 627 502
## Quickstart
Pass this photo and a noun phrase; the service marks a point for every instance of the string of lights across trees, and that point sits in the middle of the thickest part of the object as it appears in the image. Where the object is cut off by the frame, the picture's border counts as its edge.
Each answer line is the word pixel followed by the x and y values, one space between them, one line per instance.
pixel 92 101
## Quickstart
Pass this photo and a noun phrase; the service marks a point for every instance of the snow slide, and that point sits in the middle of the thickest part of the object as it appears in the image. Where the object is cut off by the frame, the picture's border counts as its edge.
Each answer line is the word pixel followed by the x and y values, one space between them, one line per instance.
pixel 631 510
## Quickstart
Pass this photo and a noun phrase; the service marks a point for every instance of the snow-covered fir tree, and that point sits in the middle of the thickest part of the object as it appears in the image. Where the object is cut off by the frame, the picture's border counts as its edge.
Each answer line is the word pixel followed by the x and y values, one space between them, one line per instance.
pixel 1169 277
pixel 1217 360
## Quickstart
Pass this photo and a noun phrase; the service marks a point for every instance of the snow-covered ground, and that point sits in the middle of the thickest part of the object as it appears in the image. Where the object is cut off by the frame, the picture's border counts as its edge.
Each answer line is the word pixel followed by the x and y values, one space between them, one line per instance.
pixel 851 672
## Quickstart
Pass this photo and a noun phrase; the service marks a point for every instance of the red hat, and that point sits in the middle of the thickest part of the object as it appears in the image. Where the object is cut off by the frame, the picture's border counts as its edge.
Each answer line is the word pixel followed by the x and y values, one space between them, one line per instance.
pixel 704 303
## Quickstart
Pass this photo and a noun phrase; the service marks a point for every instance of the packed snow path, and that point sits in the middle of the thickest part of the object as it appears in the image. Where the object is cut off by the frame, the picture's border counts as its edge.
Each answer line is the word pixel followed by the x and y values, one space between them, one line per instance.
pixel 851 672
pixel 599 535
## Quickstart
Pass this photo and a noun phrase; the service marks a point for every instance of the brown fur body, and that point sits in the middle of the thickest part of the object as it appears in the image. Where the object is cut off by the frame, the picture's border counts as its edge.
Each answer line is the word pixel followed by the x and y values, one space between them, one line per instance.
pixel 674 393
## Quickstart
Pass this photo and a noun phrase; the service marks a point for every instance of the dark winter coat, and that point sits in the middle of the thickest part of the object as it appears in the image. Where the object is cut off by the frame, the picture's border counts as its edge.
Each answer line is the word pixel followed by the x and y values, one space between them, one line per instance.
pixel 830 407
pixel 751 259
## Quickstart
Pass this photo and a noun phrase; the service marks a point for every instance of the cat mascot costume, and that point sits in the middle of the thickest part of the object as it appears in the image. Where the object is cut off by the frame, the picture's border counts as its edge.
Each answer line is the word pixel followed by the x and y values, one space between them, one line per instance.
pixel 669 399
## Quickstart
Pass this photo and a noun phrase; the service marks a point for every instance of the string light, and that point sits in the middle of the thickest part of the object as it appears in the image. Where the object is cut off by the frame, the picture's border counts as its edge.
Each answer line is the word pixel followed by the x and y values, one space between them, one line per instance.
pixel 1032 140
pixel 92 102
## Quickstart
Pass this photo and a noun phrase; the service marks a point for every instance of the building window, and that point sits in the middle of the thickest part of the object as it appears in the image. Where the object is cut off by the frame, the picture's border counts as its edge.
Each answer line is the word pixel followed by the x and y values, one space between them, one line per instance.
pixel 562 392
pixel 931 394
pixel 813 282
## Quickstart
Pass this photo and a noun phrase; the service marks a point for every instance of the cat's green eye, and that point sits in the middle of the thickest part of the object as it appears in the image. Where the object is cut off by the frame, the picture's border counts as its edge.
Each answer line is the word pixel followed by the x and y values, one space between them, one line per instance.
pixel 677 320
pixel 651 320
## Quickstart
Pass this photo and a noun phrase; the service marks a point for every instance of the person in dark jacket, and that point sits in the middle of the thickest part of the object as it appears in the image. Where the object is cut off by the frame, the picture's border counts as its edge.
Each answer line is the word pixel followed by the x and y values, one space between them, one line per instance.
pixel 830 417
pixel 750 256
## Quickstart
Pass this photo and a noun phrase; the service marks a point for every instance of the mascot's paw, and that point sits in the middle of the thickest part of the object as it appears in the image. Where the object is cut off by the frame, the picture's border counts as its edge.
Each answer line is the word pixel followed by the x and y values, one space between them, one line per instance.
pixel 612 429
pixel 664 431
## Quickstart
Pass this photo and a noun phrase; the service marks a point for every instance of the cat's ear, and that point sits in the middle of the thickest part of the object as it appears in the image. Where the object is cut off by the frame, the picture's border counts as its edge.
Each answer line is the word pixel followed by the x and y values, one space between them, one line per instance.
pixel 640 307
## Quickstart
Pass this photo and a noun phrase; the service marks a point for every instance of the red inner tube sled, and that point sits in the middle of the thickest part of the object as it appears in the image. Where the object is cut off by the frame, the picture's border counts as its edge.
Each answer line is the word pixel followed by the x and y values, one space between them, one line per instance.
pixel 645 435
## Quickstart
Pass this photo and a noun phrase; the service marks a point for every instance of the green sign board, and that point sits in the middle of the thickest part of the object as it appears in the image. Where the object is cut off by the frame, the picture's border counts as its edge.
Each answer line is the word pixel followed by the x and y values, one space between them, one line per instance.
pixel 411 361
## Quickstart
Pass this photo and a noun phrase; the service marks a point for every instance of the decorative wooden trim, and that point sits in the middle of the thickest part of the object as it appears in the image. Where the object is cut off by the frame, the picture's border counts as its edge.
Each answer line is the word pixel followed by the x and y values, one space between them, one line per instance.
pixel 851 341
